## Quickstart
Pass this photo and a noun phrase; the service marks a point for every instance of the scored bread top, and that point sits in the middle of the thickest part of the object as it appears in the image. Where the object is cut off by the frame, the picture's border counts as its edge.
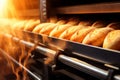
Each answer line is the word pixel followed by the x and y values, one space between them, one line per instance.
pixel 96 37
pixel 112 40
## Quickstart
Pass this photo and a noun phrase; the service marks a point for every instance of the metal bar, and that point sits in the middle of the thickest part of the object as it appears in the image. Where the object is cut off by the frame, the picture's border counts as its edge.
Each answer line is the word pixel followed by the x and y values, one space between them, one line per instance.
pixel 73 62
pixel 42 50
pixel 16 62
pixel 78 49
pixel 85 67
pixel 43 10
pixel 90 8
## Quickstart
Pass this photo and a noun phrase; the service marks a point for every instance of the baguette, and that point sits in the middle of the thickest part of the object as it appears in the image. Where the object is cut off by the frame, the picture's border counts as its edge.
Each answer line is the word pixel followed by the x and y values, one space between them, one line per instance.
pixel 58 30
pixel 97 36
pixel 46 30
pixel 99 24
pixel 39 27
pixel 53 20
pixel 85 23
pixel 80 34
pixel 31 25
pixel 112 40
pixel 114 25
pixel 70 31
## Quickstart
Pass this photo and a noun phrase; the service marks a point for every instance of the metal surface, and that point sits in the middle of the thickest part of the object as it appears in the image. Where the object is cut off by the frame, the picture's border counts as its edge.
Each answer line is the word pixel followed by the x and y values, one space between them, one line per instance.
pixel 90 8
pixel 42 50
pixel 85 67
pixel 87 51
pixel 70 61
pixel 43 10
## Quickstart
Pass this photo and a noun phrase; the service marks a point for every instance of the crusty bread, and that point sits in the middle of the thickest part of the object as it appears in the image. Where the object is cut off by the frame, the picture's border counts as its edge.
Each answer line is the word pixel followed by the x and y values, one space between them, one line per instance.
pixel 85 23
pixel 114 25
pixel 70 31
pixel 46 30
pixel 99 24
pixel 52 20
pixel 58 30
pixel 31 25
pixel 73 21
pixel 61 22
pixel 112 40
pixel 80 34
pixel 97 36
pixel 39 27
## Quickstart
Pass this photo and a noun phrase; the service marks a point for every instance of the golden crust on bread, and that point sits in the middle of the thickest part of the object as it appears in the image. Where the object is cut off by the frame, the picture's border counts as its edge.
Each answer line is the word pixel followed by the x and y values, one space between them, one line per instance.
pixel 99 24
pixel 85 23
pixel 70 31
pixel 46 30
pixel 31 25
pixel 80 34
pixel 97 36
pixel 59 29
pixel 39 27
pixel 56 32
pixel 112 40
pixel 114 25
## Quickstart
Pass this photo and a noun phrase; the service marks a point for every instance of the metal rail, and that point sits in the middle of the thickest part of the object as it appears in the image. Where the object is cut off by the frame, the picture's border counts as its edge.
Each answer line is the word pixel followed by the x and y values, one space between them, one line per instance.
pixel 70 61
pixel 42 50
pixel 85 67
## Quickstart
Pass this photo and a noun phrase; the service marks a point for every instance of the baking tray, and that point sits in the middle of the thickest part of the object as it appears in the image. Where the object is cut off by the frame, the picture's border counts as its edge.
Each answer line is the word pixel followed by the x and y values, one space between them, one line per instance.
pixel 98 54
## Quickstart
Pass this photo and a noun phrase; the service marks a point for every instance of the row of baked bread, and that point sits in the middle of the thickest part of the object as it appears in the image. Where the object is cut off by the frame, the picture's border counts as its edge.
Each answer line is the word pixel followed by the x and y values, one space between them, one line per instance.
pixel 87 32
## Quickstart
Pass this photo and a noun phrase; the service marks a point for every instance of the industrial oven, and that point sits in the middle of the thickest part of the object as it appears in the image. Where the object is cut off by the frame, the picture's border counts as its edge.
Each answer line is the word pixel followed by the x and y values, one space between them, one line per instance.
pixel 51 58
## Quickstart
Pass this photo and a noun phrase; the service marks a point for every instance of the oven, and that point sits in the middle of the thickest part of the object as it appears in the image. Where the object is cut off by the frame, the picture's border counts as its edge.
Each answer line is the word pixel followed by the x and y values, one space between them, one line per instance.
pixel 30 55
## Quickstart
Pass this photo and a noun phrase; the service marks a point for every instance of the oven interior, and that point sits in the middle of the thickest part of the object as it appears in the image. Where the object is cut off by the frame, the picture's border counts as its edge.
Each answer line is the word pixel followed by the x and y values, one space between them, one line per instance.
pixel 48 60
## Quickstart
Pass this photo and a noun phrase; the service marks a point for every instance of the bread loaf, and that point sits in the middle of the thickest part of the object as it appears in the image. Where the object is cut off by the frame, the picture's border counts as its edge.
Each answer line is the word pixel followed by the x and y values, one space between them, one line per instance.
pixel 112 40
pixel 97 36
pixel 46 30
pixel 70 31
pixel 39 27
pixel 99 24
pixel 85 23
pixel 80 34
pixel 31 25
pixel 58 30
pixel 114 25
pixel 53 20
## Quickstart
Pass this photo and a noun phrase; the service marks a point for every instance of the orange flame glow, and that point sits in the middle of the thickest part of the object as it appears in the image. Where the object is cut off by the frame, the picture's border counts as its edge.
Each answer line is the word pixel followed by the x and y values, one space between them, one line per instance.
pixel 11 12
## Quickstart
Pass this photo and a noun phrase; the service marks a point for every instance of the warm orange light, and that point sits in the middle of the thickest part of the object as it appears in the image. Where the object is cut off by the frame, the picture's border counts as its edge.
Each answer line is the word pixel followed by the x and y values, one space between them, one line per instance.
pixel 2 7
pixel 2 3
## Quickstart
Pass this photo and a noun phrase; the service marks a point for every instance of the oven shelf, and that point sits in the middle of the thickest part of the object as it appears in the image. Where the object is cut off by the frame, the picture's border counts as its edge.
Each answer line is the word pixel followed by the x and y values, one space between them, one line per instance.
pixel 94 53
pixel 90 8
